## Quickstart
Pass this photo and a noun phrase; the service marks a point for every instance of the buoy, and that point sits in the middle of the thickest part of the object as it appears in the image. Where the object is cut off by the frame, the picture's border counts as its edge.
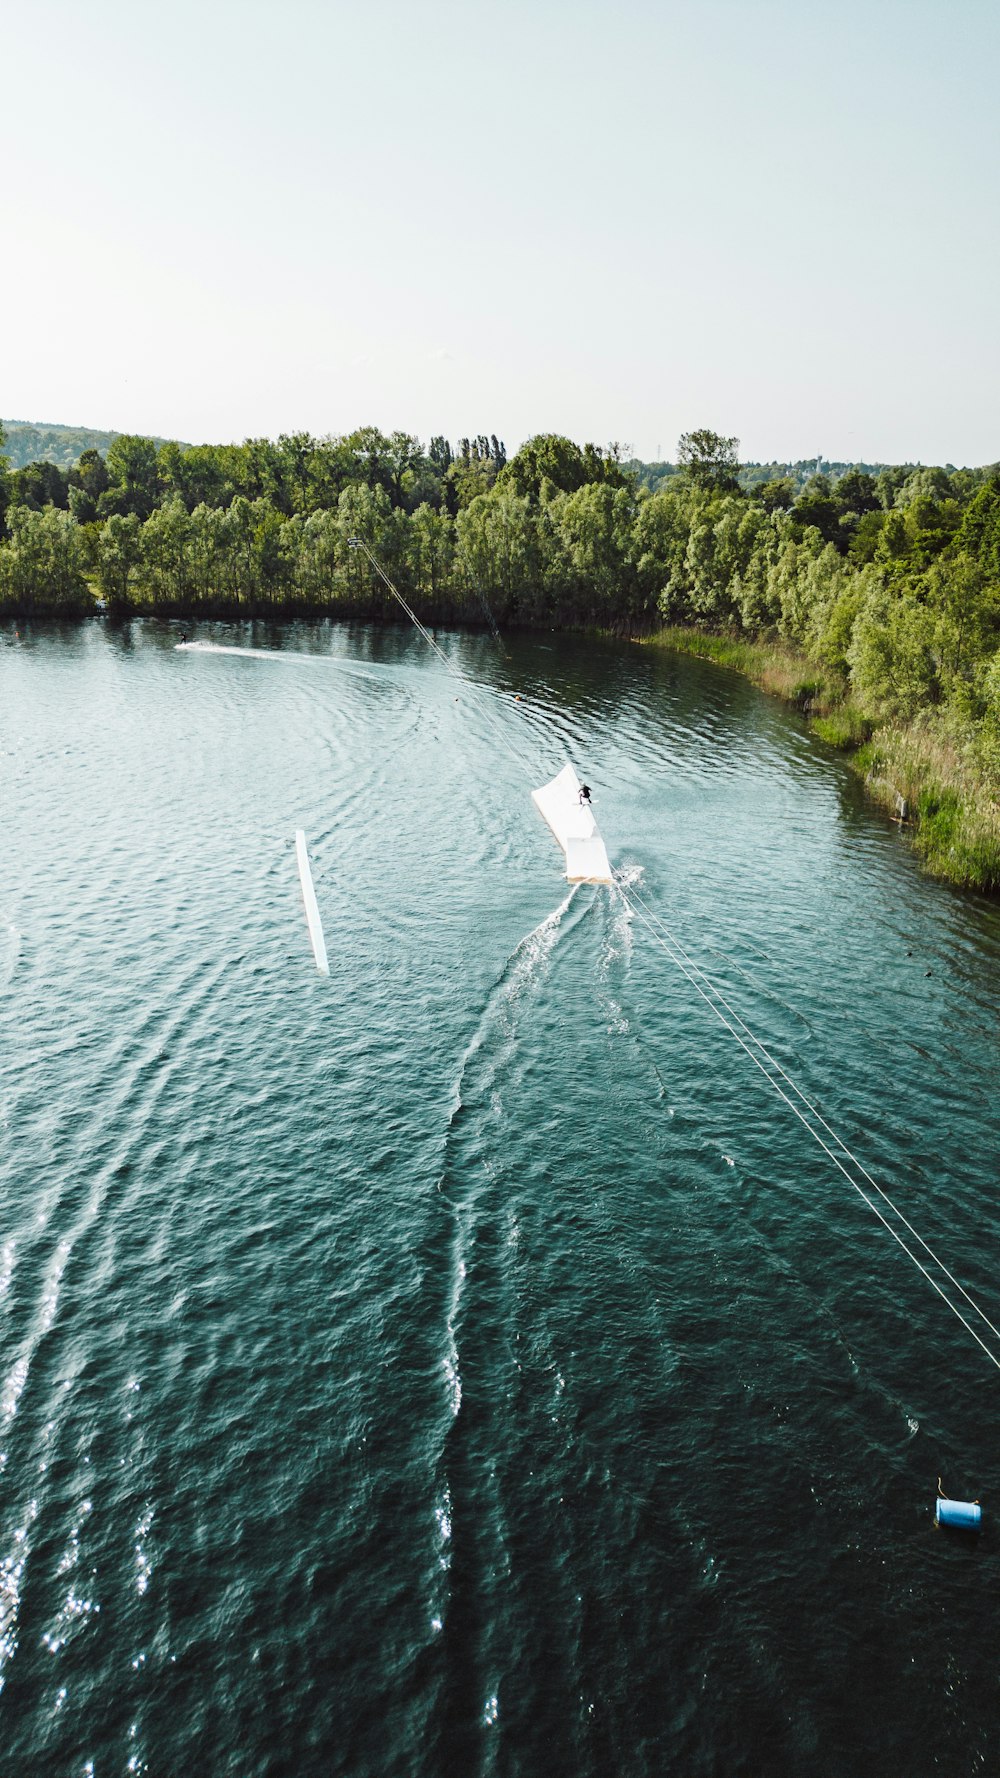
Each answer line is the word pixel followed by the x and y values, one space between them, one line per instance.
pixel 961 1515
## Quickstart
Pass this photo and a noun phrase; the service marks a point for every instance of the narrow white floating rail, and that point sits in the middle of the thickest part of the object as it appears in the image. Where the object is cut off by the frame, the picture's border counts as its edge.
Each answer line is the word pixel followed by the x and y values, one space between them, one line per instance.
pixel 572 821
pixel 313 920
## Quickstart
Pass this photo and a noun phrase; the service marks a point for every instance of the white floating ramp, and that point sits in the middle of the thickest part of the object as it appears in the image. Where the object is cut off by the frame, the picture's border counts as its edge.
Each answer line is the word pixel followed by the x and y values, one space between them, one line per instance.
pixel 572 822
pixel 309 897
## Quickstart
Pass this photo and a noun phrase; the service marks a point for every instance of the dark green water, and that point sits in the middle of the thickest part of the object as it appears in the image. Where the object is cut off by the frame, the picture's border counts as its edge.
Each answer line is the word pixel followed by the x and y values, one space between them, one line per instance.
pixel 465 1365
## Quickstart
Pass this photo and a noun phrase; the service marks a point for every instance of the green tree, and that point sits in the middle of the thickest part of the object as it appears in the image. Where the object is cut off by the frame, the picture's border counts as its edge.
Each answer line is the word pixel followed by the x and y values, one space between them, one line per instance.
pixel 709 589
pixel 42 567
pixel 979 532
pixel 606 465
pixel 496 536
pixel 832 625
pixel 38 485
pixel 293 472
pixel 271 560
pixel 373 456
pixel 930 527
pixel 88 481
pixel 331 467
pixel 432 547
pixel 710 463
pixel 925 483
pixel 756 592
pixel 4 481
pixel 817 508
pixel 439 453
pixel 776 495
pixel 363 513
pixel 258 565
pixel 253 468
pixel 133 477
pixel 893 543
pixel 856 491
pixel 659 546
pixel 166 540
pixel 864 543
pixel 595 524
pixel 315 549
pixel 200 475
pixel 209 566
pixel 546 457
pixel 718 554
pixel 468 478
pixel 989 731
pixel 966 603
pixel 119 555
pixel 892 655
pixel 404 458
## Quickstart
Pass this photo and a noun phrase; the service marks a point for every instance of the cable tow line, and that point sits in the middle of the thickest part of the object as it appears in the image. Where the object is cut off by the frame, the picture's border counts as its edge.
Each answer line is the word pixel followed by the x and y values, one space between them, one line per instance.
pixel 715 999
pixel 820 1119
pixel 499 731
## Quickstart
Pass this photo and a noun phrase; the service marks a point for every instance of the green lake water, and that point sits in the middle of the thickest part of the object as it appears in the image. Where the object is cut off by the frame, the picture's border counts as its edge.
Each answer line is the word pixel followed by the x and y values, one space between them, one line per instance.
pixel 465 1364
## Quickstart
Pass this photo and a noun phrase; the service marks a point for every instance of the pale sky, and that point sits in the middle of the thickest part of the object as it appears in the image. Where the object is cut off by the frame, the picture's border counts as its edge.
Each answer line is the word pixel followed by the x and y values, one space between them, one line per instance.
pixel 619 221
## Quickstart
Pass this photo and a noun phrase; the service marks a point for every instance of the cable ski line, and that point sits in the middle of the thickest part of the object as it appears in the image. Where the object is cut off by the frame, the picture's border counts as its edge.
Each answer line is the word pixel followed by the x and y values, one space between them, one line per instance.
pixel 498 730
pixel 692 977
pixel 818 1115
pixel 769 1066
pixel 359 543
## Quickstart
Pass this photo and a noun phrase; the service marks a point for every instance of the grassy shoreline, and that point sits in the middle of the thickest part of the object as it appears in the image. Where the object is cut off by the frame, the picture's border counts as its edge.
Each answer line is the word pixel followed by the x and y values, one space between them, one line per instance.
pixel 922 772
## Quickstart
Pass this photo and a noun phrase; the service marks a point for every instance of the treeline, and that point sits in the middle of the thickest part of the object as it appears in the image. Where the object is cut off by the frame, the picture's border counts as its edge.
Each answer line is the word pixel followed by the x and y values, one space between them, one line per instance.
pixel 297 474
pixel 267 526
pixel 890 581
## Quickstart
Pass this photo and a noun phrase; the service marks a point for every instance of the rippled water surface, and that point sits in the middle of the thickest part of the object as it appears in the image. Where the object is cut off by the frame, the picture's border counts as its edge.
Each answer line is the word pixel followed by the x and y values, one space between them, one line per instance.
pixel 465 1364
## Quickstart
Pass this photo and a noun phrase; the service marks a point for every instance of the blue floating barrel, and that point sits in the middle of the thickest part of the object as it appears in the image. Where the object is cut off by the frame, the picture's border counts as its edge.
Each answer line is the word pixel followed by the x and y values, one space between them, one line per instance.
pixel 963 1515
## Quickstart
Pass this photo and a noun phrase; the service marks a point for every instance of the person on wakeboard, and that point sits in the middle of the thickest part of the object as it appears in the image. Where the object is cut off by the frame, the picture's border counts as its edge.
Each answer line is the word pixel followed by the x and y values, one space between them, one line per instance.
pixel 584 796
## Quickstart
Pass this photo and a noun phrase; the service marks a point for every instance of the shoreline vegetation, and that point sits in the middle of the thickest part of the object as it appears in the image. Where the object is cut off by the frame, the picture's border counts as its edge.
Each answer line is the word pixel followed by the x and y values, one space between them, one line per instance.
pixel 867 595
pixel 923 772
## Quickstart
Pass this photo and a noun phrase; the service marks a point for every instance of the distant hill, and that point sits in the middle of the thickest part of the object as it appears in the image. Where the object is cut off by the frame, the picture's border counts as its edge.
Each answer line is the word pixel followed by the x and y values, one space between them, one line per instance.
pixel 33 442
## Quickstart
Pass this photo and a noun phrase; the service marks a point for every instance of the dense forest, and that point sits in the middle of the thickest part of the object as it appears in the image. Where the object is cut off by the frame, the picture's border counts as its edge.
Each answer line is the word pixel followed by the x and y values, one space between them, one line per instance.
pixel 884 580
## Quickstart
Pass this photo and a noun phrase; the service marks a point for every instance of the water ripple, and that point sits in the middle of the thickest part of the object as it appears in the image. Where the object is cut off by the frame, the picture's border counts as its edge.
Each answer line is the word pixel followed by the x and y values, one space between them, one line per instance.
pixel 464 1362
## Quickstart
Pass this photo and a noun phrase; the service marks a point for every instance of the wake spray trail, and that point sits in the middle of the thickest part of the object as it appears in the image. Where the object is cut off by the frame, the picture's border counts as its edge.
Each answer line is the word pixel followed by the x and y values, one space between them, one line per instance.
pixel 489 1052
pixel 468 1261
